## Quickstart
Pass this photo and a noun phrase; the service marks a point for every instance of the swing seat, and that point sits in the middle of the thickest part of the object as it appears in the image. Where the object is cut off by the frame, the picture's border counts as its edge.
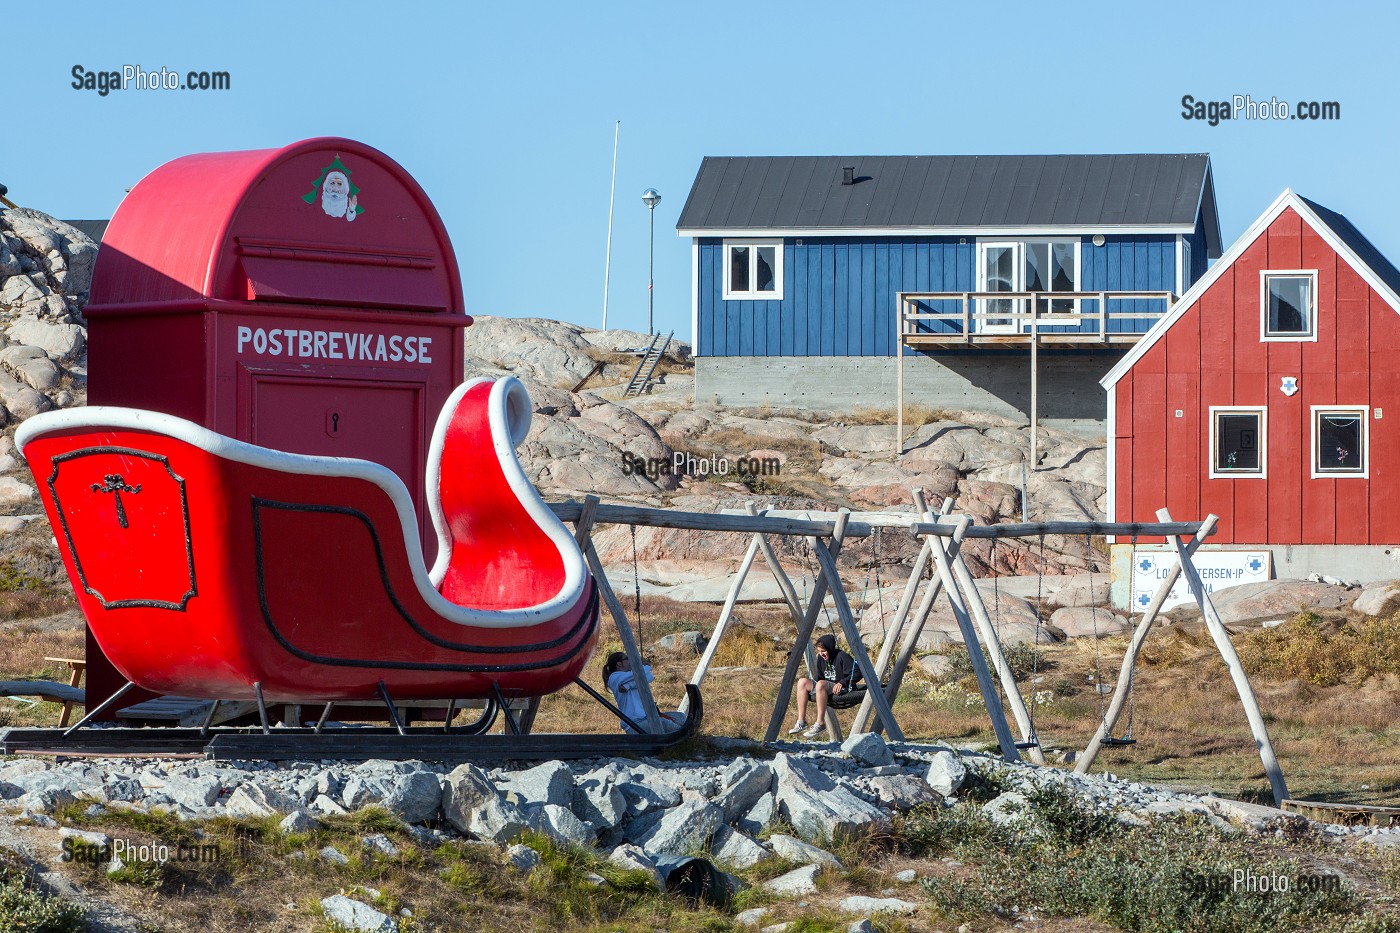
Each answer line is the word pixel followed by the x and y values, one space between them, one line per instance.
pixel 1117 743
pixel 850 698
pixel 207 567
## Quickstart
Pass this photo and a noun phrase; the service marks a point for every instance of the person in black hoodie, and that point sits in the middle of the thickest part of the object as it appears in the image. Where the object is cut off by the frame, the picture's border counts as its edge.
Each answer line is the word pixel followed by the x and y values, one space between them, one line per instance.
pixel 838 684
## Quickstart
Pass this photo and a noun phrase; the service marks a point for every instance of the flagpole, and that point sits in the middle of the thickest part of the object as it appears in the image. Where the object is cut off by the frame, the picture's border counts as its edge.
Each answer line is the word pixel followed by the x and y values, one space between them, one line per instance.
pixel 612 194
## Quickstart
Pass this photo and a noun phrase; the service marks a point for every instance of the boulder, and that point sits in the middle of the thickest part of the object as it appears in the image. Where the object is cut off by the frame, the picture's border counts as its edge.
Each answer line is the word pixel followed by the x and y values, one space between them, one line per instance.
pixel 743 782
pixel 860 904
pixel 1274 599
pixel 549 783
pixel 348 914
pixel 1011 809
pixel 1080 590
pixel 796 883
pixel 551 353
pixel 298 821
pixel 1077 622
pixel 692 642
pixel 194 792
pixel 946 773
pixel 682 829
pixel 59 341
pixel 523 858
pixel 600 803
pixel 632 858
pixel 412 797
pixel 817 807
pixel 795 850
pixel 760 815
pixel 1379 599
pixel 20 400
pixel 867 748
pixel 732 847
pixel 560 824
pixel 471 803
pixel 904 791
pixel 259 800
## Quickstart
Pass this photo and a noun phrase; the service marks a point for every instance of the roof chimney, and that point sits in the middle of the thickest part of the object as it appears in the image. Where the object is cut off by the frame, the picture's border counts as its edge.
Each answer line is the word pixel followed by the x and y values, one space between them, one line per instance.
pixel 848 175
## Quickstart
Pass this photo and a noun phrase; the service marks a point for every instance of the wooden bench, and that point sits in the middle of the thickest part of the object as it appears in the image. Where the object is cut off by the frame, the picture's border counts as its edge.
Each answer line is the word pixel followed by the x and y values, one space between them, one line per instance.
pixel 76 668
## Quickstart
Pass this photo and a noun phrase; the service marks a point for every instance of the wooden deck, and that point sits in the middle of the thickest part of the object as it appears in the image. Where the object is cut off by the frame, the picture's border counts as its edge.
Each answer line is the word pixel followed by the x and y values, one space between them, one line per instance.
pixel 1025 319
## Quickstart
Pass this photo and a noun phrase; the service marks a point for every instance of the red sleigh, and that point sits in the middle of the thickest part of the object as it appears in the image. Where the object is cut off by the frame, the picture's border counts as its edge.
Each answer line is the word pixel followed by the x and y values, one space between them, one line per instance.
pixel 211 568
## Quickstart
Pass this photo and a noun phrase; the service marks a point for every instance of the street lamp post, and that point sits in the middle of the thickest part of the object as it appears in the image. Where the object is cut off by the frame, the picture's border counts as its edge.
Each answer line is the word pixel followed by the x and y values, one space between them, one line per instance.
pixel 651 198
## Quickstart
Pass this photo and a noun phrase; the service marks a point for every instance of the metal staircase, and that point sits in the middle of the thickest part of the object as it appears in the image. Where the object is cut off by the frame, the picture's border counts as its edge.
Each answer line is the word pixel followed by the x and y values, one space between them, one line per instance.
pixel 646 366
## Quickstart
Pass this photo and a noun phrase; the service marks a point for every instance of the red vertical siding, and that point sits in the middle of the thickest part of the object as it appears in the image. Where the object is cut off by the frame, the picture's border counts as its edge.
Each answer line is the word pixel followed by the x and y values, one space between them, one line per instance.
pixel 1213 355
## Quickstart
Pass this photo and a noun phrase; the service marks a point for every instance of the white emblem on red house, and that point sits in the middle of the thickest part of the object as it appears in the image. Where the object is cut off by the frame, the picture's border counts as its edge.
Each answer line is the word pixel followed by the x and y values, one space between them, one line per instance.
pixel 1290 385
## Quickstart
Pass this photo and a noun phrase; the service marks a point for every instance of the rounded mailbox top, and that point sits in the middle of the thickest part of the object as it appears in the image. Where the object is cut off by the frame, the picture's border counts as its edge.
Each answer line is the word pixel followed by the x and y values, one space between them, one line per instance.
pixel 324 221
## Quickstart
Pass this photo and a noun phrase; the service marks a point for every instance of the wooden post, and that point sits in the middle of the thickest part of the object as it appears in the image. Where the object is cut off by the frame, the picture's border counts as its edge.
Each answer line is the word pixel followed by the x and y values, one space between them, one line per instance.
pixel 1124 687
pixel 973 599
pixel 899 381
pixel 910 642
pixel 1232 661
pixel 901 615
pixel 1035 384
pixel 969 634
pixel 724 615
pixel 624 630
pixel 804 635
pixel 853 642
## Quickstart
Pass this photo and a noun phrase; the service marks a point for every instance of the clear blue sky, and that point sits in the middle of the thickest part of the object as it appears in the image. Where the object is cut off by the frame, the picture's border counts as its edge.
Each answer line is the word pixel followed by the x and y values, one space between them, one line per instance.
pixel 504 112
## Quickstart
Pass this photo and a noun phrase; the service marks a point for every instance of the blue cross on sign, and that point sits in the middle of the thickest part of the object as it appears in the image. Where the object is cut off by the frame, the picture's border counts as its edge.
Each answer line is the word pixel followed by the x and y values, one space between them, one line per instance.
pixel 1143 600
pixel 1145 564
pixel 1255 564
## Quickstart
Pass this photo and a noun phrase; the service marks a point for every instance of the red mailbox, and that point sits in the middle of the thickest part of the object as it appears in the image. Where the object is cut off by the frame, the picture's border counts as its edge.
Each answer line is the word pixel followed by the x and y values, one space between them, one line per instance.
pixel 305 299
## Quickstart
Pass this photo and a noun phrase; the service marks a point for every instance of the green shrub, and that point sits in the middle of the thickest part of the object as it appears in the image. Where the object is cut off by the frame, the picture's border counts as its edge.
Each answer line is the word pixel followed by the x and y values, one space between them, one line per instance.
pixel 22 907
pixel 1074 861
pixel 1311 649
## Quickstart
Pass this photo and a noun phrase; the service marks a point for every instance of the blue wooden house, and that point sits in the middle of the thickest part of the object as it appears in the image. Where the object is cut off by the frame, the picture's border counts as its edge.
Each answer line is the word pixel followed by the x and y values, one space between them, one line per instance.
pixel 848 282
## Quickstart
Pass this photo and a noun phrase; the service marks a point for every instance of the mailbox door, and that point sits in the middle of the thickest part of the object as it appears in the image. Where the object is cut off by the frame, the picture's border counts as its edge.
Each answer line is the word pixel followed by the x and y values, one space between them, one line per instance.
pixel 370 420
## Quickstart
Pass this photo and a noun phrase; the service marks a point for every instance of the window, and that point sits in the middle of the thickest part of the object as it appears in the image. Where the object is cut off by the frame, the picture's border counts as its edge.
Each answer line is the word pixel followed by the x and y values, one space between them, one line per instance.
pixel 1289 305
pixel 1237 442
pixel 753 269
pixel 1053 266
pixel 1025 266
pixel 1339 446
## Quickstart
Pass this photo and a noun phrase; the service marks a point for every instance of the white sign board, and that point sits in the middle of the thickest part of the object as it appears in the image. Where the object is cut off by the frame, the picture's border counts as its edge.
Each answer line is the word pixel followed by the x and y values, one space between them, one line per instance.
pixel 1219 570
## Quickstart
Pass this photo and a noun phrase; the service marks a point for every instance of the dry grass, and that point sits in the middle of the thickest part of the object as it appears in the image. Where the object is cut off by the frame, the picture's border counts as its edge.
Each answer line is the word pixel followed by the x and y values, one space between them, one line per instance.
pixel 914 416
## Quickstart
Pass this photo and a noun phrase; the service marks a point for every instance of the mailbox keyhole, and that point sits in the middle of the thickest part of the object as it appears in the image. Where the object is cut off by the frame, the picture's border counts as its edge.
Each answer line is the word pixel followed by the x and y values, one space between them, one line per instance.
pixel 335 423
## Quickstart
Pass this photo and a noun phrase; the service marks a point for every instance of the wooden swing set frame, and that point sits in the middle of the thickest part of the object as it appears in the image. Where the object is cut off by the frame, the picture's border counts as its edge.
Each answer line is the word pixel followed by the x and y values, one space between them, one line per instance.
pixel 942 534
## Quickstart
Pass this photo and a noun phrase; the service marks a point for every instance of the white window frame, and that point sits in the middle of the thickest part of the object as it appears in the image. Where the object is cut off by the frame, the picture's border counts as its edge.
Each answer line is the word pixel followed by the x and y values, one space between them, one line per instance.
pixel 1078 271
pixel 1018 281
pixel 1264 335
pixel 1263 414
pixel 1365 412
pixel 776 294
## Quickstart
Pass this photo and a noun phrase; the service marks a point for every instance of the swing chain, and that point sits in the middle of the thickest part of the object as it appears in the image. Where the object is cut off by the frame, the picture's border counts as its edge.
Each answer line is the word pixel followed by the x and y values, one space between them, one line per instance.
pixel 637 589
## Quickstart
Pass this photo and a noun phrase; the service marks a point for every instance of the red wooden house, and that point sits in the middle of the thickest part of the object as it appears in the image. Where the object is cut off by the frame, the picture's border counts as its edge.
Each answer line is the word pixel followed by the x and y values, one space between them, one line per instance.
pixel 1263 395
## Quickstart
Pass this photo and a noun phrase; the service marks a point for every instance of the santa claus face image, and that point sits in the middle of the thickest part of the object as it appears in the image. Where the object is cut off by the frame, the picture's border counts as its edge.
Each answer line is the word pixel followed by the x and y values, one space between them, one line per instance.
pixel 339 198
pixel 335 194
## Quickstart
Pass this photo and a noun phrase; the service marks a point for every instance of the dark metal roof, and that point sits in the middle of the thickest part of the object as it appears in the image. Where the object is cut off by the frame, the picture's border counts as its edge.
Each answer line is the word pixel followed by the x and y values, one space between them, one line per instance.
pixel 93 228
pixel 1365 250
pixel 953 192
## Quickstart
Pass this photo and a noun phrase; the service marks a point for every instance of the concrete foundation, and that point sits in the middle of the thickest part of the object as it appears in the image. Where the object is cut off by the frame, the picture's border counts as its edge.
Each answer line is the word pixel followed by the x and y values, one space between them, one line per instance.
pixel 992 381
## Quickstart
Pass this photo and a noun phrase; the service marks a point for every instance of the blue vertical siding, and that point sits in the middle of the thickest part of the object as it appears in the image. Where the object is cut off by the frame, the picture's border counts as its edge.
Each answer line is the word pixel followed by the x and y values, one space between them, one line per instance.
pixel 1136 263
pixel 839 293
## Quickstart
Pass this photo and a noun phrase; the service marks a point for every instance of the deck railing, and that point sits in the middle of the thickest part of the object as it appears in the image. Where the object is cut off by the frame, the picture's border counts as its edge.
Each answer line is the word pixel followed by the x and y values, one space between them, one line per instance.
pixel 1021 317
